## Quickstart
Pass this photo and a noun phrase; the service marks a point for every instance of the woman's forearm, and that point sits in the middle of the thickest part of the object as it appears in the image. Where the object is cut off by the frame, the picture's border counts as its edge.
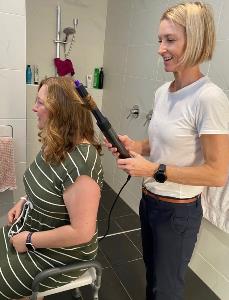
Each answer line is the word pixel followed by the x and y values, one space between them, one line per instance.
pixel 64 236
pixel 202 175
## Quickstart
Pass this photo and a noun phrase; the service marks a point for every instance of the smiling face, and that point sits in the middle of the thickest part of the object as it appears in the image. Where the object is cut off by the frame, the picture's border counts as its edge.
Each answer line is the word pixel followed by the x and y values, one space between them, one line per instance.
pixel 39 107
pixel 172 45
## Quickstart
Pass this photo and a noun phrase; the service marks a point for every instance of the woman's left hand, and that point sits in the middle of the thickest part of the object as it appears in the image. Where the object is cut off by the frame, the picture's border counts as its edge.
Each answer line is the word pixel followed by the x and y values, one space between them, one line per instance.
pixel 137 165
pixel 18 241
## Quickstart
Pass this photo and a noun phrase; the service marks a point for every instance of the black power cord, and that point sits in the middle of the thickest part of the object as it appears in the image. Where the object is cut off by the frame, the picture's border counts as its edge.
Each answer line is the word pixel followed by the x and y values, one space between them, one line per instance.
pixel 115 200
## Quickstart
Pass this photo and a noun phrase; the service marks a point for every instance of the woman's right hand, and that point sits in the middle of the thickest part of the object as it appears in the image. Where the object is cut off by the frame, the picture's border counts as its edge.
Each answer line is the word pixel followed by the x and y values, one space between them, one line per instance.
pixel 15 211
pixel 127 142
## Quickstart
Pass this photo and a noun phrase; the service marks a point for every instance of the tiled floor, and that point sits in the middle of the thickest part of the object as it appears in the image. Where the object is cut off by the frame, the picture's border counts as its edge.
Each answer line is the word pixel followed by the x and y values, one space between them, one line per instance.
pixel 121 257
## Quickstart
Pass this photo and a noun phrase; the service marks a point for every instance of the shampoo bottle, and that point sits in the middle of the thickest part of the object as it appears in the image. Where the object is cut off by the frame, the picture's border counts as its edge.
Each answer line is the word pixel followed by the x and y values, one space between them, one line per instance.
pixel 101 76
pixel 28 74
pixel 36 74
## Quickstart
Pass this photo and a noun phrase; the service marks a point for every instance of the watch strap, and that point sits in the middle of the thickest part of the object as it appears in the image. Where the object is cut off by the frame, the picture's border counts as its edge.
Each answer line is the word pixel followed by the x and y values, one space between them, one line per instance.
pixel 29 243
pixel 162 168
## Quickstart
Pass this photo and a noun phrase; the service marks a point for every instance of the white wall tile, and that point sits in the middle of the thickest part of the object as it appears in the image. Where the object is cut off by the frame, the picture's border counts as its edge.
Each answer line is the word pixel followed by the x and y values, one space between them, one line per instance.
pixel 114 58
pixel 219 66
pixel 223 31
pixel 12 86
pixel 141 61
pixel 112 100
pixel 217 6
pixel 12 44
pixel 13 6
pixel 148 5
pixel 144 24
pixel 117 25
pixel 137 91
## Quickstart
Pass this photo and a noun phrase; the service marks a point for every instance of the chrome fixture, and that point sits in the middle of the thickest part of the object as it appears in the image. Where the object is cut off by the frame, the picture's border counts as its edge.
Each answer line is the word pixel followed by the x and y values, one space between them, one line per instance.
pixel 134 112
pixel 148 117
pixel 67 31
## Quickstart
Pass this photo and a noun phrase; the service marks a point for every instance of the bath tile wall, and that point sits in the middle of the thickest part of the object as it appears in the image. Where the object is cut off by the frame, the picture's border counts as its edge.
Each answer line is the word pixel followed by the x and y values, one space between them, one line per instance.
pixel 87 50
pixel 133 73
pixel 12 86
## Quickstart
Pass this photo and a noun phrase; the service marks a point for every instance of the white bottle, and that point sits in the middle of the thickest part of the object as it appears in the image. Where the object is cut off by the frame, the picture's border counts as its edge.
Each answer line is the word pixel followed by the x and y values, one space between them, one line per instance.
pixel 89 81
pixel 36 74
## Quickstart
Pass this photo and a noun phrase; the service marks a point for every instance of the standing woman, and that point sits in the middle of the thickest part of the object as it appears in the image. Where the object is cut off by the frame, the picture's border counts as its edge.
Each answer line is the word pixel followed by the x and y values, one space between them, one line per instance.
pixel 57 225
pixel 187 145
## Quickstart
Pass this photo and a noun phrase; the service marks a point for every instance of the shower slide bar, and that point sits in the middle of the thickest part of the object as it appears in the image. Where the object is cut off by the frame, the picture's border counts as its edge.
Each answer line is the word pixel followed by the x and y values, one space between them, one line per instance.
pixel 67 31
pixel 12 130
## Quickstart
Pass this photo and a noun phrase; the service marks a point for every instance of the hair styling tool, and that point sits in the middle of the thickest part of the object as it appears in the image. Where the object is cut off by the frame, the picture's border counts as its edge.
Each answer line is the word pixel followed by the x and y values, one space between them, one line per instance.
pixel 102 121
pixel 109 133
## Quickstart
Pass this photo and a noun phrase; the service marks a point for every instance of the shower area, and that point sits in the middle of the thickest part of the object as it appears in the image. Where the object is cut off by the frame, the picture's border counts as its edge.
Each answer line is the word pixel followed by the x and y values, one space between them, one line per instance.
pixel 64 65
pixel 68 31
pixel 71 31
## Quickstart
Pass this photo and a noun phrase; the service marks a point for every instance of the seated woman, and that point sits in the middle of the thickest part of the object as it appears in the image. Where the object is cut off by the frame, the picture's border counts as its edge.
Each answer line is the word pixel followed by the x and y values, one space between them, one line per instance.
pixel 55 223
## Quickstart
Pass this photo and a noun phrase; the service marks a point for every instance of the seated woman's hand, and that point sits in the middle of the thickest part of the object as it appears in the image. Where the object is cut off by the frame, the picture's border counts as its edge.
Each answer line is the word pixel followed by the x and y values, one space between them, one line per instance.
pixel 15 211
pixel 18 241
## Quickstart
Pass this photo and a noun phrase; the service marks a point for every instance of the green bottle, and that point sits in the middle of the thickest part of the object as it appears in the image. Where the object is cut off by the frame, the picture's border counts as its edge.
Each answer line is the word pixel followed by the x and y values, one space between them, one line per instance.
pixel 96 78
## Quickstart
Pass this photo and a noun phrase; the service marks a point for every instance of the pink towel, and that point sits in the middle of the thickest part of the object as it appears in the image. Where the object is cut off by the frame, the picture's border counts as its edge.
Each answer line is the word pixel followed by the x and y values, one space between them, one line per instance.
pixel 7 165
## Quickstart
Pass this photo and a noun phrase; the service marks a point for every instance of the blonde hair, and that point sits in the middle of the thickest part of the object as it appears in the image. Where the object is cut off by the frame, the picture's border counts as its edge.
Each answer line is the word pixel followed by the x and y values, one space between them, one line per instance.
pixel 69 121
pixel 198 22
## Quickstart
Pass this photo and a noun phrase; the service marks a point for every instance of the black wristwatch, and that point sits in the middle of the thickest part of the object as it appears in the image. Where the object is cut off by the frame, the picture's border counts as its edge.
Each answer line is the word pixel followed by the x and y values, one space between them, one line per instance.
pixel 29 243
pixel 160 175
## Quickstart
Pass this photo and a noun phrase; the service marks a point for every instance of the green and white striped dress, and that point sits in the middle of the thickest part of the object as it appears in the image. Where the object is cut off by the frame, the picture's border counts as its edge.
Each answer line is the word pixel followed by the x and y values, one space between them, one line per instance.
pixel 44 186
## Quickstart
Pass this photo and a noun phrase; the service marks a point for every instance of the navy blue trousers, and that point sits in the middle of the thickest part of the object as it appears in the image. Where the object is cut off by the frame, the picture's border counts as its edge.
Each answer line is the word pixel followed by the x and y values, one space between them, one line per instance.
pixel 169 233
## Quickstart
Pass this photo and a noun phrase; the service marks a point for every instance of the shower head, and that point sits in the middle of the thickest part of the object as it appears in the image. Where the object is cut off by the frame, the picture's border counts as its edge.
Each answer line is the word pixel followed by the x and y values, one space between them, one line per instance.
pixel 68 31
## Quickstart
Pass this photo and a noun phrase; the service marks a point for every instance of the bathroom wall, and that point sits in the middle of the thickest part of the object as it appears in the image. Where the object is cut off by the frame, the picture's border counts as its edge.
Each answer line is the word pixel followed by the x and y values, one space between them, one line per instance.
pixel 12 86
pixel 87 51
pixel 86 54
pixel 133 72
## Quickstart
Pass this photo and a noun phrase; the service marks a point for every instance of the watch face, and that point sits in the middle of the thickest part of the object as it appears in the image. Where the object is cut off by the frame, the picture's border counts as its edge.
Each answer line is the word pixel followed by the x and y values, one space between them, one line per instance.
pixel 30 246
pixel 160 177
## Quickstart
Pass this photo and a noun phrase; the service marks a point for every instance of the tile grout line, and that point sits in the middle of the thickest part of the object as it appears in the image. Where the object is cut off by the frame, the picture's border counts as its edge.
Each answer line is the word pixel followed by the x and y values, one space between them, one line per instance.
pixel 121 232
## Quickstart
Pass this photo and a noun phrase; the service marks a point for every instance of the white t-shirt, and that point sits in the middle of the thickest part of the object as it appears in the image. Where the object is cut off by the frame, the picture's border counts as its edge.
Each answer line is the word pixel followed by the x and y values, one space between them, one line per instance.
pixel 178 120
